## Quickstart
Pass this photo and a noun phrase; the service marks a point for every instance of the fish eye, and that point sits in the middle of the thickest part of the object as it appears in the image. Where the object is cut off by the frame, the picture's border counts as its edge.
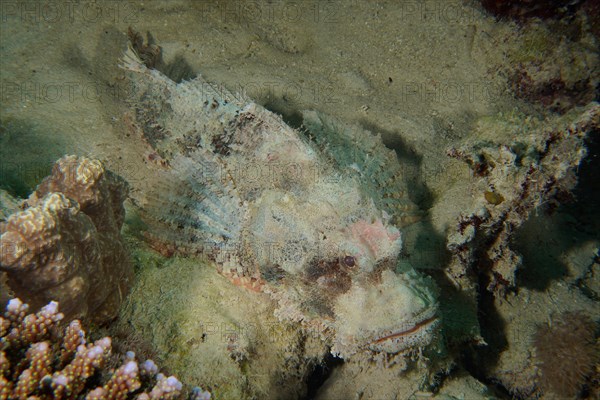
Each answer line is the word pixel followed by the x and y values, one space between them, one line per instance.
pixel 349 261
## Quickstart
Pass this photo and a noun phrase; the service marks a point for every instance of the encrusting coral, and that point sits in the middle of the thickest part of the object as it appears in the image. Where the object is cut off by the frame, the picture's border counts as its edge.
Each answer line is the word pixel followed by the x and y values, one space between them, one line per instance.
pixel 39 362
pixel 66 245
pixel 567 353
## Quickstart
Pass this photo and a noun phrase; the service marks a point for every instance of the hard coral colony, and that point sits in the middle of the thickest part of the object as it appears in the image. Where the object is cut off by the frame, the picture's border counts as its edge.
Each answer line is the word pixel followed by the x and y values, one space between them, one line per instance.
pixel 66 244
pixel 41 359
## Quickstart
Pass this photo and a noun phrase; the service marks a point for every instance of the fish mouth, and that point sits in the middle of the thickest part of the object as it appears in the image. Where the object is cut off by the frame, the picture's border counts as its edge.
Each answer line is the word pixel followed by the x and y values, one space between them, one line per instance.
pixel 406 332
pixel 416 334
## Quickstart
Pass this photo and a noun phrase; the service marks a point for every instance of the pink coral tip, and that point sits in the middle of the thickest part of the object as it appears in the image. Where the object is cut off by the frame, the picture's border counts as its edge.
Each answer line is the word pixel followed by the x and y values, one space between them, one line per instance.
pixel 14 305
pixel 95 352
pixel 131 368
pixel 60 380
pixel 150 367
pixel 173 384
pixel 50 308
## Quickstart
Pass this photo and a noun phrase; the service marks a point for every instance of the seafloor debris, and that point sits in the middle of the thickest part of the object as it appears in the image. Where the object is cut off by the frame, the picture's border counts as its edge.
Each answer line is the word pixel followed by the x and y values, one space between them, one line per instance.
pixel 567 353
pixel 66 244
pixel 543 344
pixel 555 71
pixel 41 360
pixel 537 171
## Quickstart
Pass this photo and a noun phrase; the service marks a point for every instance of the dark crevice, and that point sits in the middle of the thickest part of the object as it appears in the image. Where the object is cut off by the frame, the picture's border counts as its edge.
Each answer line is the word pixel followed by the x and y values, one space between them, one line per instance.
pixel 587 192
pixel 27 155
pixel 292 118
pixel 320 374
pixel 479 360
pixel 571 224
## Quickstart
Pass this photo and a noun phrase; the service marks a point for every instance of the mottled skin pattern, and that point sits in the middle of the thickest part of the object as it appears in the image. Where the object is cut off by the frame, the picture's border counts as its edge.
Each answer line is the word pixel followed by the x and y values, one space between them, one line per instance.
pixel 278 214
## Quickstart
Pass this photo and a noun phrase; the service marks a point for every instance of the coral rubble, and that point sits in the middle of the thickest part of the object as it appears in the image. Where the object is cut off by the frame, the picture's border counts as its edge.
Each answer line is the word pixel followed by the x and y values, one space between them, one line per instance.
pixel 66 245
pixel 40 360
pixel 537 170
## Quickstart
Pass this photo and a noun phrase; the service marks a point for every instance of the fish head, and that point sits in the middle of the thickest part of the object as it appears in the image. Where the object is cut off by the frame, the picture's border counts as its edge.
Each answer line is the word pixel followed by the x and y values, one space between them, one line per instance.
pixel 344 275
pixel 391 313
pixel 373 308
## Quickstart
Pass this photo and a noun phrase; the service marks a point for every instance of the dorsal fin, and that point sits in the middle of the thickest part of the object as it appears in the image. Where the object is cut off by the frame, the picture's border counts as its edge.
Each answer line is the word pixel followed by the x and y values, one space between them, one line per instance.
pixel 193 205
pixel 359 152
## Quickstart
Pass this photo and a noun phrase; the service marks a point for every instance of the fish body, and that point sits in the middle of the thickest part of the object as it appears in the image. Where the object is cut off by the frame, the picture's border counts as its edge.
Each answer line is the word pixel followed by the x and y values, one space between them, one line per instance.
pixel 312 223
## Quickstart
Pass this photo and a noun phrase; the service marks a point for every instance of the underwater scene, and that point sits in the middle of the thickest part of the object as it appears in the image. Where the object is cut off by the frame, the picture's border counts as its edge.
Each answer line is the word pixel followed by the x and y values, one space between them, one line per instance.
pixel 299 199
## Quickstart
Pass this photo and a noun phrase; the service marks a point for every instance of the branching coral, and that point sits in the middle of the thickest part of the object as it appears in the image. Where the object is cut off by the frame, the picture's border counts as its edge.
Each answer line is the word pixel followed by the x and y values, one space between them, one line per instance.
pixel 567 353
pixel 38 362
pixel 66 245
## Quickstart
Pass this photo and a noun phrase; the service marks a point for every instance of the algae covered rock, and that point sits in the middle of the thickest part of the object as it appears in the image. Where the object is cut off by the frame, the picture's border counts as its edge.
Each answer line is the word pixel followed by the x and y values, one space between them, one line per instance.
pixel 518 165
pixel 207 330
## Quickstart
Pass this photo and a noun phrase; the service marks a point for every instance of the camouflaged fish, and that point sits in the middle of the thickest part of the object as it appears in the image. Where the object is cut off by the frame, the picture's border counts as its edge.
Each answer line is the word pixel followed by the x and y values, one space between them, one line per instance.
pixel 309 221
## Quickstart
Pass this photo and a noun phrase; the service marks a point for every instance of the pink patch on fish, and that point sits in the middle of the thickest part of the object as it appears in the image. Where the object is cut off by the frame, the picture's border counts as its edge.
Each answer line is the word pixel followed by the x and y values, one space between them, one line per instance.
pixel 373 236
